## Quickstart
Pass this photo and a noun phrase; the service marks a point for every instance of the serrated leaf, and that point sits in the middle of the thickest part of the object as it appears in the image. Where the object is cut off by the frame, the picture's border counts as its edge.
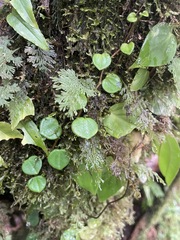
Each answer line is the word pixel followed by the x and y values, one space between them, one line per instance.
pixel 169 158
pixel 7 133
pixel 20 107
pixel 116 123
pixel 24 29
pixel 50 128
pixel 58 159
pixel 37 184
pixel 84 127
pixel 112 83
pixel 25 10
pixel 31 134
pixel 101 61
pixel 140 79
pixel 127 48
pixel 158 48
pixel 32 165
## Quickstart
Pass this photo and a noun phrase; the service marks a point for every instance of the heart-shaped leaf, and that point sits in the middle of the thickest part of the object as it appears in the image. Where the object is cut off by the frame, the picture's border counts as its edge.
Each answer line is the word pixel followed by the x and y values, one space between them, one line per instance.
pixel 144 13
pixel 32 165
pixel 84 127
pixel 127 48
pixel 24 29
pixel 50 128
pixel 140 79
pixel 37 184
pixel 132 17
pixel 7 133
pixel 116 123
pixel 169 158
pixel 158 48
pixel 58 159
pixel 112 83
pixel 101 61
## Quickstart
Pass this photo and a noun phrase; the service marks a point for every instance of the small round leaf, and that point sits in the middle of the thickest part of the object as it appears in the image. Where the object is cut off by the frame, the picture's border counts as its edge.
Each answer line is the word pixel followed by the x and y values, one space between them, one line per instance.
pixel 58 159
pixel 32 165
pixel 50 128
pixel 132 17
pixel 127 48
pixel 112 83
pixel 84 127
pixel 37 184
pixel 101 61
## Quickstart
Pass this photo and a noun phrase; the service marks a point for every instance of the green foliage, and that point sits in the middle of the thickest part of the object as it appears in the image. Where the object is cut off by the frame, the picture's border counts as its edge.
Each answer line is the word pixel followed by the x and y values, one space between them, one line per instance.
pixel 72 92
pixel 8 62
pixel 112 83
pixel 101 61
pixel 116 122
pixel 175 70
pixel 127 48
pixel 132 17
pixel 58 158
pixel 41 59
pixel 24 23
pixel 169 158
pixel 37 184
pixel 31 134
pixel 50 128
pixel 7 92
pixel 20 107
pixel 32 165
pixel 84 127
pixel 159 47
pixel 7 133
pixel 140 79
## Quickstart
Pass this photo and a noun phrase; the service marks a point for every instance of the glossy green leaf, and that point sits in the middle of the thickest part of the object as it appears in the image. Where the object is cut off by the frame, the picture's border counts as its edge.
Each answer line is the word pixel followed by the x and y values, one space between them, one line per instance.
pixel 158 48
pixel 37 184
pixel 132 17
pixel 88 180
pixel 50 128
pixel 25 10
pixel 19 108
pixel 112 83
pixel 116 122
pixel 101 61
pixel 58 159
pixel 32 165
pixel 24 29
pixel 7 133
pixel 84 127
pixel 169 158
pixel 32 134
pixel 140 79
pixel 127 48
pixel 109 186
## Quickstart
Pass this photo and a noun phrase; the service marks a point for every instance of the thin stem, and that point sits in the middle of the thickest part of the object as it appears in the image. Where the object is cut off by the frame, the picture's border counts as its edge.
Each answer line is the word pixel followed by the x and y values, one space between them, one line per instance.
pixel 100 79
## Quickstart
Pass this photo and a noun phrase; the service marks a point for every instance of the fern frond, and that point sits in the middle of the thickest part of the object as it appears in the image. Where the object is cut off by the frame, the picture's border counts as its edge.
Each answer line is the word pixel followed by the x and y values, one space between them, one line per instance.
pixel 72 92
pixel 7 92
pixel 8 62
pixel 43 60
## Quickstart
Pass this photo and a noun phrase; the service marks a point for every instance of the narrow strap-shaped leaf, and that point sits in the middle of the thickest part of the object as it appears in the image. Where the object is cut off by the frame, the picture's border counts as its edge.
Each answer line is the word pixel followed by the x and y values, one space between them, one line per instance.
pixel 24 29
pixel 25 10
